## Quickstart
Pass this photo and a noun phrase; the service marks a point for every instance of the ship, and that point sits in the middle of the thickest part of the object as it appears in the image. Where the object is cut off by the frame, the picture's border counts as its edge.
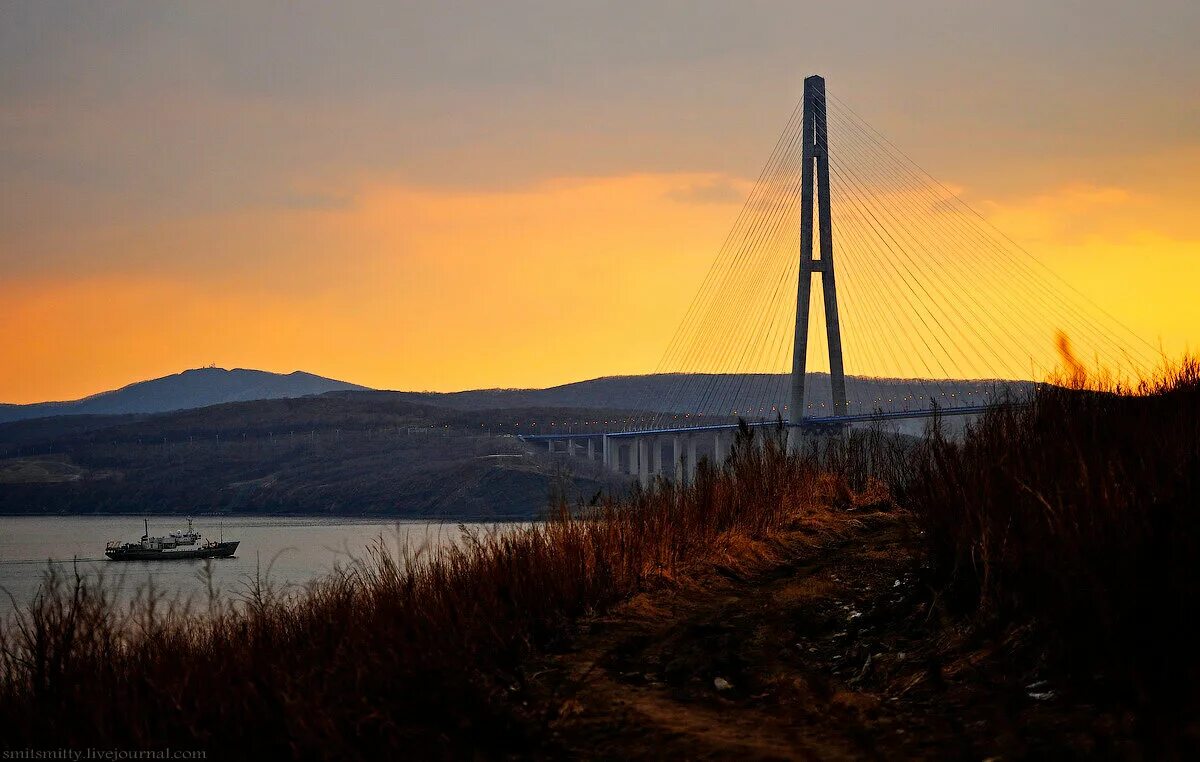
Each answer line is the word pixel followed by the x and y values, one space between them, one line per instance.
pixel 179 545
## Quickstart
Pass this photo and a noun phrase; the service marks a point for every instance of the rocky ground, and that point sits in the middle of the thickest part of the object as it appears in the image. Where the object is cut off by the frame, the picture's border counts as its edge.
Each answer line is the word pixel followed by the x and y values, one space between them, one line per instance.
pixel 839 654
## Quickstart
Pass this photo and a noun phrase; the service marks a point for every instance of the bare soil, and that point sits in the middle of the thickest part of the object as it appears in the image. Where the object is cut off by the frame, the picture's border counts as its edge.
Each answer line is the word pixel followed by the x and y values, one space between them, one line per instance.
pixel 838 654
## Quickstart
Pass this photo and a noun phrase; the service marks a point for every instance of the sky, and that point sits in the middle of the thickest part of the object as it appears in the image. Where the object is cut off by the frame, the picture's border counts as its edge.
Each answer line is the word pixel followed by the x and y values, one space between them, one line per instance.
pixel 457 195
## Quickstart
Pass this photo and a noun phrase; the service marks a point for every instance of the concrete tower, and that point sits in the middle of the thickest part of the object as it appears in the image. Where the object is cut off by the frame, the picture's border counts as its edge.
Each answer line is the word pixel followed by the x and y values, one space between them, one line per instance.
pixel 816 156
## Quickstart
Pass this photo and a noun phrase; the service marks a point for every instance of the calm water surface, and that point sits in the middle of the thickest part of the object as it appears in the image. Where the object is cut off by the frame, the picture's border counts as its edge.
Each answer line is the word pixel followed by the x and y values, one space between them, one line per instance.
pixel 287 551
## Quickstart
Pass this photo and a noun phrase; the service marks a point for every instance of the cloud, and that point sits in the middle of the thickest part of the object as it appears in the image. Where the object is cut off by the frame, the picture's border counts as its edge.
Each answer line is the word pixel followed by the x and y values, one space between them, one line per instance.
pixel 390 285
pixel 317 199
pixel 714 190
pixel 1076 212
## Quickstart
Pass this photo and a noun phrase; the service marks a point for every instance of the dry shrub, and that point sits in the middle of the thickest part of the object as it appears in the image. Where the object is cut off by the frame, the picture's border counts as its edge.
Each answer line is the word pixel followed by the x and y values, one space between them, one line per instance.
pixel 1081 512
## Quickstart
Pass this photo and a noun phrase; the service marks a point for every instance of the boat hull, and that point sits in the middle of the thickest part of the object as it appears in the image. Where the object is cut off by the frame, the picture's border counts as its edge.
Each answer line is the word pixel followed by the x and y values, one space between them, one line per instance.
pixel 216 550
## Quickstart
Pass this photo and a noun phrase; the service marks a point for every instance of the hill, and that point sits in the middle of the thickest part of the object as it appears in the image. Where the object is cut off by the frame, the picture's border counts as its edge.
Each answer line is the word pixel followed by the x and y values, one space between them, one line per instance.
pixel 345 453
pixel 720 394
pixel 194 388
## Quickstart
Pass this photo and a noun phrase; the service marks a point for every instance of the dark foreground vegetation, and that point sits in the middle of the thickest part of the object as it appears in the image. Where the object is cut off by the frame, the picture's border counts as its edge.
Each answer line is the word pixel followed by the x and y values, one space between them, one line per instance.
pixel 1058 537
pixel 1081 515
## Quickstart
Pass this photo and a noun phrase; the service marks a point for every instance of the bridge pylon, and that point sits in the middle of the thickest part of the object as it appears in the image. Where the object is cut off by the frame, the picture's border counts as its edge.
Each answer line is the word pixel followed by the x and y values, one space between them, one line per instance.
pixel 815 167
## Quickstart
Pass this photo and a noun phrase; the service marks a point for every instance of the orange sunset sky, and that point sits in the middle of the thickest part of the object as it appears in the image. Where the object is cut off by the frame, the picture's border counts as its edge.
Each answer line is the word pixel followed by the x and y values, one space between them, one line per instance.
pixel 524 194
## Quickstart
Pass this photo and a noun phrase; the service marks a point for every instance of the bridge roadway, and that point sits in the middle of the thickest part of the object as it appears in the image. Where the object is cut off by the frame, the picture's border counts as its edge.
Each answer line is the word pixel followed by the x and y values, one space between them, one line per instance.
pixel 640 453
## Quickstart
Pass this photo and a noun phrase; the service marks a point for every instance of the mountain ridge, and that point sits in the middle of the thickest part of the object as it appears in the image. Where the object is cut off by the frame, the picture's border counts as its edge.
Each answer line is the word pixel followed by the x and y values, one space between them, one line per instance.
pixel 188 389
pixel 747 394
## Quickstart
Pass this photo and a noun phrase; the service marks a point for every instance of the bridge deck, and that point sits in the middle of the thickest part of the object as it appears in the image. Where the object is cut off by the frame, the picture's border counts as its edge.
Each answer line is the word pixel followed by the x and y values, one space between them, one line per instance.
pixel 815 422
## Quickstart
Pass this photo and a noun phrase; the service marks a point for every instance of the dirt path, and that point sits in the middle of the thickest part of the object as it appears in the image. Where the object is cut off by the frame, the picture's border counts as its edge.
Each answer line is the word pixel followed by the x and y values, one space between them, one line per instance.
pixel 828 656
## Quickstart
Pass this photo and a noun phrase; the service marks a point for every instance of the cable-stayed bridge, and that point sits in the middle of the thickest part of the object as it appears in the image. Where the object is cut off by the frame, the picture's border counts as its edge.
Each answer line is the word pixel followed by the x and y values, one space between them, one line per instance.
pixel 854 287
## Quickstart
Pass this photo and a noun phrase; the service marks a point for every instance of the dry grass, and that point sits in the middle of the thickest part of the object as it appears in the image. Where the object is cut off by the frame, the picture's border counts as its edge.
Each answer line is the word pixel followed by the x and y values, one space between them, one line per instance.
pixel 397 653
pixel 1079 513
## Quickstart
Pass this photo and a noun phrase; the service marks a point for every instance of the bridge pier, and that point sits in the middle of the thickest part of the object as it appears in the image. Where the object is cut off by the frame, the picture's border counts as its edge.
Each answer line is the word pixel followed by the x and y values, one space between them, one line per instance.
pixel 691 459
pixel 646 458
pixel 677 453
